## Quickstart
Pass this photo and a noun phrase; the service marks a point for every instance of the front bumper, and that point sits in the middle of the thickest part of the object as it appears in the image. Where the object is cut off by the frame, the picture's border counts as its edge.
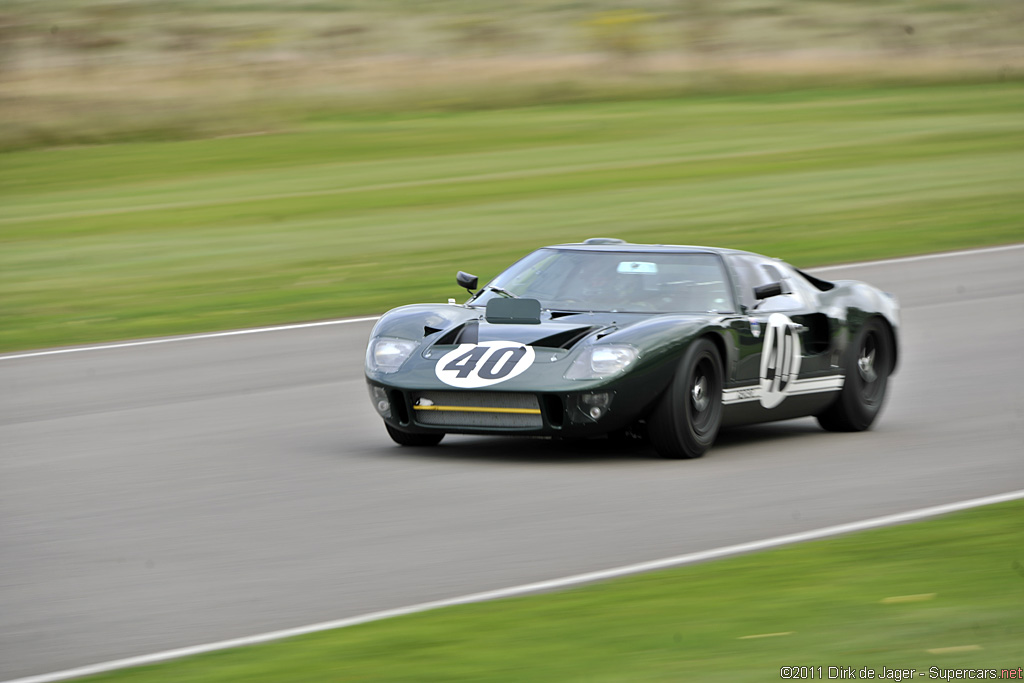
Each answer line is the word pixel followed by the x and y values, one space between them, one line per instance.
pixel 590 412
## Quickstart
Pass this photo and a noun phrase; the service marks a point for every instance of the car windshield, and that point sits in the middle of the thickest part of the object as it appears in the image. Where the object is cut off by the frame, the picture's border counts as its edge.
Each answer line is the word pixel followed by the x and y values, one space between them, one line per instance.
pixel 625 282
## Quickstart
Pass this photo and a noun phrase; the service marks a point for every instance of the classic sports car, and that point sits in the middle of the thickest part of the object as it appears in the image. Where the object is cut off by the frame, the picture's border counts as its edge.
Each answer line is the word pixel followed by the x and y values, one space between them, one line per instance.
pixel 606 337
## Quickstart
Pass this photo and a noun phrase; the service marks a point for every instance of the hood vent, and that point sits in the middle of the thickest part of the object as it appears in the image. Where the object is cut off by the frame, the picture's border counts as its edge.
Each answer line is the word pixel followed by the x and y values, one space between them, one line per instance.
pixel 466 333
pixel 563 340
pixel 555 315
pixel 550 336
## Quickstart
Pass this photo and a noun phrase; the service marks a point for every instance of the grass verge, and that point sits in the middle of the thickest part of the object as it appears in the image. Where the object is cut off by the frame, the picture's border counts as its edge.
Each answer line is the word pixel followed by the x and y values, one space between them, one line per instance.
pixel 354 215
pixel 943 593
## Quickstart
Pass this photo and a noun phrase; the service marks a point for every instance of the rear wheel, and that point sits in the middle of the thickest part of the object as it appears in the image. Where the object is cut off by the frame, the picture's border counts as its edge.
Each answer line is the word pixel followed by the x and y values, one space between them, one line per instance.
pixel 867 376
pixel 686 420
pixel 411 439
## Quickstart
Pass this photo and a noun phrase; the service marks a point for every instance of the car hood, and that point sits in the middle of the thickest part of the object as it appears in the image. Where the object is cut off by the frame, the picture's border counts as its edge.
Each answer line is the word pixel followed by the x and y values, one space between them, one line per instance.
pixel 441 324
pixel 557 340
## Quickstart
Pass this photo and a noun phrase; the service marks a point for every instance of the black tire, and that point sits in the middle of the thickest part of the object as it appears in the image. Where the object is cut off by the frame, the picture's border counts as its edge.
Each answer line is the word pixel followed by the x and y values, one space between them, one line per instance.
pixel 686 420
pixel 869 362
pixel 411 439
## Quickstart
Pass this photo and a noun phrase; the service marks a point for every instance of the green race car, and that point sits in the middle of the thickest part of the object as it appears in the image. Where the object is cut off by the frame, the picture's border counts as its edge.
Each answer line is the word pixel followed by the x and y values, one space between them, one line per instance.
pixel 611 338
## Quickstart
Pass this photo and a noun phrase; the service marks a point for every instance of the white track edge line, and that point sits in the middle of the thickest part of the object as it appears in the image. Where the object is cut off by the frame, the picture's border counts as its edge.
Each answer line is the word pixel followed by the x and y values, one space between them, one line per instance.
pixel 922 257
pixel 342 321
pixel 514 591
pixel 187 337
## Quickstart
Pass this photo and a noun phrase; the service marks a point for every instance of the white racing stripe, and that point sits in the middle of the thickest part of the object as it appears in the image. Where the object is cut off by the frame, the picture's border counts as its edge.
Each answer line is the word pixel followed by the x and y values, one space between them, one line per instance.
pixel 741 394
pixel 813 385
pixel 552 584
pixel 299 326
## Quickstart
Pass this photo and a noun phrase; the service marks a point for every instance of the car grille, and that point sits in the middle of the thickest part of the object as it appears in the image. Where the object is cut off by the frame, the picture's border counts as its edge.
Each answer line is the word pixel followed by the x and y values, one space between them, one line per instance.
pixel 477 409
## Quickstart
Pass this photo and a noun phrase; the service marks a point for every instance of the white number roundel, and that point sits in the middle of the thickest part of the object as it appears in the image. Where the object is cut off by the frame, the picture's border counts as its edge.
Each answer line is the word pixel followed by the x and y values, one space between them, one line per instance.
pixel 480 365
pixel 780 359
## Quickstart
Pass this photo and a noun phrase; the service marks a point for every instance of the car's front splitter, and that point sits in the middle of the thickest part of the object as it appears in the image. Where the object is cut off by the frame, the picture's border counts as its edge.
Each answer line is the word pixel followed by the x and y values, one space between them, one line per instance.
pixel 588 412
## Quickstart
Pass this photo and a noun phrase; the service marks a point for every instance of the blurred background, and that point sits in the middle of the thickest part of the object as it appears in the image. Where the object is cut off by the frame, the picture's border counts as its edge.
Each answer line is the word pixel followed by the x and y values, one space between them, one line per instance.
pixel 174 166
pixel 76 71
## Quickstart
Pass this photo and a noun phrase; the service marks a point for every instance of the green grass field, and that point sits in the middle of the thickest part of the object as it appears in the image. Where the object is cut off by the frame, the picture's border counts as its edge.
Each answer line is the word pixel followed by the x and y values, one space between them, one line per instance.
pixel 946 593
pixel 353 215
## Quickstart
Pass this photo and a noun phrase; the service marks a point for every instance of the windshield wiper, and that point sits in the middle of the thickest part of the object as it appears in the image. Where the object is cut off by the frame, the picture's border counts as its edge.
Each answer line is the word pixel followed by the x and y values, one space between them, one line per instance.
pixel 501 290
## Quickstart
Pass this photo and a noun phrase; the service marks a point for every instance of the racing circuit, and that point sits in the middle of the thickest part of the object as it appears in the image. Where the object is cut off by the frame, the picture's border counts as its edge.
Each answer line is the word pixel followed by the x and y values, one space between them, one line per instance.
pixel 165 495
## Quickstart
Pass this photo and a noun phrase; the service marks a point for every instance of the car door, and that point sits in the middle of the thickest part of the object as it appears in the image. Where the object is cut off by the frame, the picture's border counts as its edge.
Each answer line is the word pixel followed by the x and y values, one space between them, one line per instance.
pixel 784 364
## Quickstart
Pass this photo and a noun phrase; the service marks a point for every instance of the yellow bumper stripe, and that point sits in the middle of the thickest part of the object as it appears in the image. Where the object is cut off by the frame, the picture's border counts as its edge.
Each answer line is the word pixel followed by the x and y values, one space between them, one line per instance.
pixel 472 409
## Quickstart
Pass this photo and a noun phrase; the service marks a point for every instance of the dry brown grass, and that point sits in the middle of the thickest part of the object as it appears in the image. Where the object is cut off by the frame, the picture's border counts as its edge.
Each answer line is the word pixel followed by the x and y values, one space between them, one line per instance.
pixel 74 73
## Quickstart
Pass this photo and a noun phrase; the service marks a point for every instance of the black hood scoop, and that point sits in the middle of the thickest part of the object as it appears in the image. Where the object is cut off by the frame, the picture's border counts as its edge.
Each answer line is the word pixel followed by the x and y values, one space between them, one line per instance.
pixel 555 315
pixel 565 339
pixel 549 335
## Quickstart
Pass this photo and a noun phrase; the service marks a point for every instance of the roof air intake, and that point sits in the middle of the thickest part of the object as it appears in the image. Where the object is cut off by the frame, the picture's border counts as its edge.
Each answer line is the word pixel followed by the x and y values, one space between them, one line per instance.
pixel 604 240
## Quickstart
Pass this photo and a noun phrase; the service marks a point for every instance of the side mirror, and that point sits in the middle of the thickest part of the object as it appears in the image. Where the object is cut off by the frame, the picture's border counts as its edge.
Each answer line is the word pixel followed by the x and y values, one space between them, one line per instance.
pixel 467 281
pixel 767 291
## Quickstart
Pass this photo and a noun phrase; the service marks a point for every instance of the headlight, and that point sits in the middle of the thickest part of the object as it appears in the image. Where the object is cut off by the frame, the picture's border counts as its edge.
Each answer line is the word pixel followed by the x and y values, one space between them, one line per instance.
pixel 387 355
pixel 603 360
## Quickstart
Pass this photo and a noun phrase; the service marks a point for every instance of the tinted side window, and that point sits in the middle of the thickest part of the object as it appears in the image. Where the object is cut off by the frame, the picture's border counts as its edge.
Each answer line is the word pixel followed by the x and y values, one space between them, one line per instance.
pixel 774 274
pixel 754 271
pixel 749 273
pixel 798 284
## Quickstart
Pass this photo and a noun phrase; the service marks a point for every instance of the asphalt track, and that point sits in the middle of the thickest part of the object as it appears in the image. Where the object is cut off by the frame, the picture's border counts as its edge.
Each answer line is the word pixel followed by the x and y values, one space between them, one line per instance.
pixel 162 496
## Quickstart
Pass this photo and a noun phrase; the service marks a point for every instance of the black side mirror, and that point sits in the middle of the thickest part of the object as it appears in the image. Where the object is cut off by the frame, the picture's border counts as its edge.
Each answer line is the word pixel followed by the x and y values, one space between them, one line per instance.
pixel 767 291
pixel 466 280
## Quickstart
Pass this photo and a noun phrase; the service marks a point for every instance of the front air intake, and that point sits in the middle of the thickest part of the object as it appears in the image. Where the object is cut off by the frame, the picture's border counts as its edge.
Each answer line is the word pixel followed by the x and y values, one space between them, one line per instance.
pixel 504 410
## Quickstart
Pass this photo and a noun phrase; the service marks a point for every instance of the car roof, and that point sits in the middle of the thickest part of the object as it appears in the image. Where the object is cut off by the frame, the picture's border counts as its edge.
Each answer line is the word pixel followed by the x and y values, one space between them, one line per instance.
pixel 605 244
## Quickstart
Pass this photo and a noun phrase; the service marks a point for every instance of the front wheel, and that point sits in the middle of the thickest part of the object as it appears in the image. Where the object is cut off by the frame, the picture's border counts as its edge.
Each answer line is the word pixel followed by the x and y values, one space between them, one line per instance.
pixel 686 420
pixel 867 376
pixel 411 439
